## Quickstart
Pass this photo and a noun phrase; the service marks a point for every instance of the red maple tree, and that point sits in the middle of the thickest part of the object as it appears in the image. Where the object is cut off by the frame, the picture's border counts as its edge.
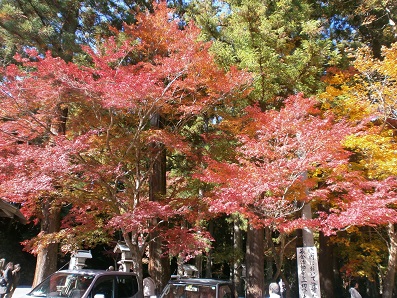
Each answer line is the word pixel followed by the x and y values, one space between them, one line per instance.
pixel 100 168
pixel 286 158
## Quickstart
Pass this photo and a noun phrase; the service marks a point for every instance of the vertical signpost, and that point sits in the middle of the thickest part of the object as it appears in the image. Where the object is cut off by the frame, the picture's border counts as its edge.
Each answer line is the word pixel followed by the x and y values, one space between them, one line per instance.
pixel 308 276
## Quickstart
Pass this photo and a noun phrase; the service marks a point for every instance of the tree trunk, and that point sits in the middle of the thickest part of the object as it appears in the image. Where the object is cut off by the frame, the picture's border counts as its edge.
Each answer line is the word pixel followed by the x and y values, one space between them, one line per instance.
pixel 208 267
pixel 326 268
pixel 159 265
pixel 199 265
pixel 47 257
pixel 307 234
pixel 269 256
pixel 237 257
pixel 137 253
pixel 388 281
pixel 255 263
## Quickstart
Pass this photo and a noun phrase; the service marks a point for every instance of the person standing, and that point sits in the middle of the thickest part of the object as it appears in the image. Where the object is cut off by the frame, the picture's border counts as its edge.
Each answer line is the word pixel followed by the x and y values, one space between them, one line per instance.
pixel 354 293
pixel 7 274
pixel 274 290
pixel 16 275
pixel 149 287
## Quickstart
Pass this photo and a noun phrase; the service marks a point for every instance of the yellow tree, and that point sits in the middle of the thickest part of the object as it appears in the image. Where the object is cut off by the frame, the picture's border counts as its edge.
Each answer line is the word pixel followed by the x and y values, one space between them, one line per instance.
pixel 366 94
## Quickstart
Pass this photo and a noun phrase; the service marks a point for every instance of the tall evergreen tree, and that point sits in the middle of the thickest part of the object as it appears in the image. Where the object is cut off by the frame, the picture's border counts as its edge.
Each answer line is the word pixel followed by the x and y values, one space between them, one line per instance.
pixel 282 44
pixel 278 41
pixel 352 24
pixel 61 26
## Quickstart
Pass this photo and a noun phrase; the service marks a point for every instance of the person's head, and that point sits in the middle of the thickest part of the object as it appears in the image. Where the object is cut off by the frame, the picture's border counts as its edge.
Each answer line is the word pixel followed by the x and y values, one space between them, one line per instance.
pixel 354 284
pixel 17 267
pixel 10 265
pixel 274 288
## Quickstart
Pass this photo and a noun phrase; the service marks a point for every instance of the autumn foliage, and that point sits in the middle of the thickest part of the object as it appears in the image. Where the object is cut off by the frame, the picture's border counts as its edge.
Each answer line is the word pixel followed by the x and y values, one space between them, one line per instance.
pixel 285 159
pixel 78 136
pixel 99 168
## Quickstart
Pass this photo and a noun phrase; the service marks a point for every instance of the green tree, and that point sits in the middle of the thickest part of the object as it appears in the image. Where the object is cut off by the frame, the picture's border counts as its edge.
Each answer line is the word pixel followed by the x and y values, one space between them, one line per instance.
pixel 282 44
pixel 278 41
pixel 61 26
pixel 357 23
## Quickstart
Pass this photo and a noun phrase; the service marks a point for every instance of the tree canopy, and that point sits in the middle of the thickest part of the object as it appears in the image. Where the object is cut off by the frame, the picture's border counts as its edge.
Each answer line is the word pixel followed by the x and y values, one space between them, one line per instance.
pixel 106 152
pixel 265 107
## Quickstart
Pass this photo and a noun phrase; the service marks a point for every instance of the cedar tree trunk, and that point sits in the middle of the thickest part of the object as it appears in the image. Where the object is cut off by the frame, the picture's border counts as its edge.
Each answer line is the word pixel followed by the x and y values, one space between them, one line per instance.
pixel 237 257
pixel 325 265
pixel 47 258
pixel 159 265
pixel 269 258
pixel 255 263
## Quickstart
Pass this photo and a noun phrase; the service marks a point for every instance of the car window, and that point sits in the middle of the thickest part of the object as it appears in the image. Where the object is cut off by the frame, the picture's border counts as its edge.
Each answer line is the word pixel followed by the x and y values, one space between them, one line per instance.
pixel 225 292
pixel 63 285
pixel 104 286
pixel 127 286
pixel 189 291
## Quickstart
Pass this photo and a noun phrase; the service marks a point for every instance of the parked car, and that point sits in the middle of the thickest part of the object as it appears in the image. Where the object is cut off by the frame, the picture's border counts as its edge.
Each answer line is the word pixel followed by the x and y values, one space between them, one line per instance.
pixel 84 283
pixel 180 287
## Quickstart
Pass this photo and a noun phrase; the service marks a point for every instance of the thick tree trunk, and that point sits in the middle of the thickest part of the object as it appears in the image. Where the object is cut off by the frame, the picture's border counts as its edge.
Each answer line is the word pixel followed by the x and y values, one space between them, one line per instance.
pixel 307 234
pixel 199 265
pixel 237 257
pixel 47 257
pixel 269 261
pixel 159 265
pixel 388 281
pixel 255 263
pixel 326 268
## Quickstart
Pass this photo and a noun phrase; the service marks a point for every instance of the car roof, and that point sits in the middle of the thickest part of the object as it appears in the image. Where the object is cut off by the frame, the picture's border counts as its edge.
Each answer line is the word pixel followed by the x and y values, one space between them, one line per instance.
pixel 198 281
pixel 94 272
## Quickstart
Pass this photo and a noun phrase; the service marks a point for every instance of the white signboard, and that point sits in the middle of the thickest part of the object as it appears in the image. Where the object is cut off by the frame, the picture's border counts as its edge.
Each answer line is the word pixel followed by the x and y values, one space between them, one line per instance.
pixel 308 277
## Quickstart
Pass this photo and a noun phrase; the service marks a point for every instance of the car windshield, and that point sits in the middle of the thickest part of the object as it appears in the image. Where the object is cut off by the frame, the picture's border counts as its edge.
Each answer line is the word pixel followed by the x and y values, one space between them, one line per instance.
pixel 61 284
pixel 189 291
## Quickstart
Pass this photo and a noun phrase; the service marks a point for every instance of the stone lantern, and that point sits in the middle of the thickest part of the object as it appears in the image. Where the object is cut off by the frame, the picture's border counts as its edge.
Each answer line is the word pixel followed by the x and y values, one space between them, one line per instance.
pixel 126 256
pixel 77 260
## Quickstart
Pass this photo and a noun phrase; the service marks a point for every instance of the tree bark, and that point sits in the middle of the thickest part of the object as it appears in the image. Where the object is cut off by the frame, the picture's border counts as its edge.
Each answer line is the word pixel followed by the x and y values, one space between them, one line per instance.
pixel 269 260
pixel 388 281
pixel 326 268
pixel 307 234
pixel 237 257
pixel 46 262
pixel 159 265
pixel 137 253
pixel 255 263
pixel 47 258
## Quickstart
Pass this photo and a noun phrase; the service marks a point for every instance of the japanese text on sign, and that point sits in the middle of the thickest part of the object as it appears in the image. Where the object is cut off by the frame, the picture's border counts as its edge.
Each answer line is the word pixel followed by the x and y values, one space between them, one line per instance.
pixel 308 277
